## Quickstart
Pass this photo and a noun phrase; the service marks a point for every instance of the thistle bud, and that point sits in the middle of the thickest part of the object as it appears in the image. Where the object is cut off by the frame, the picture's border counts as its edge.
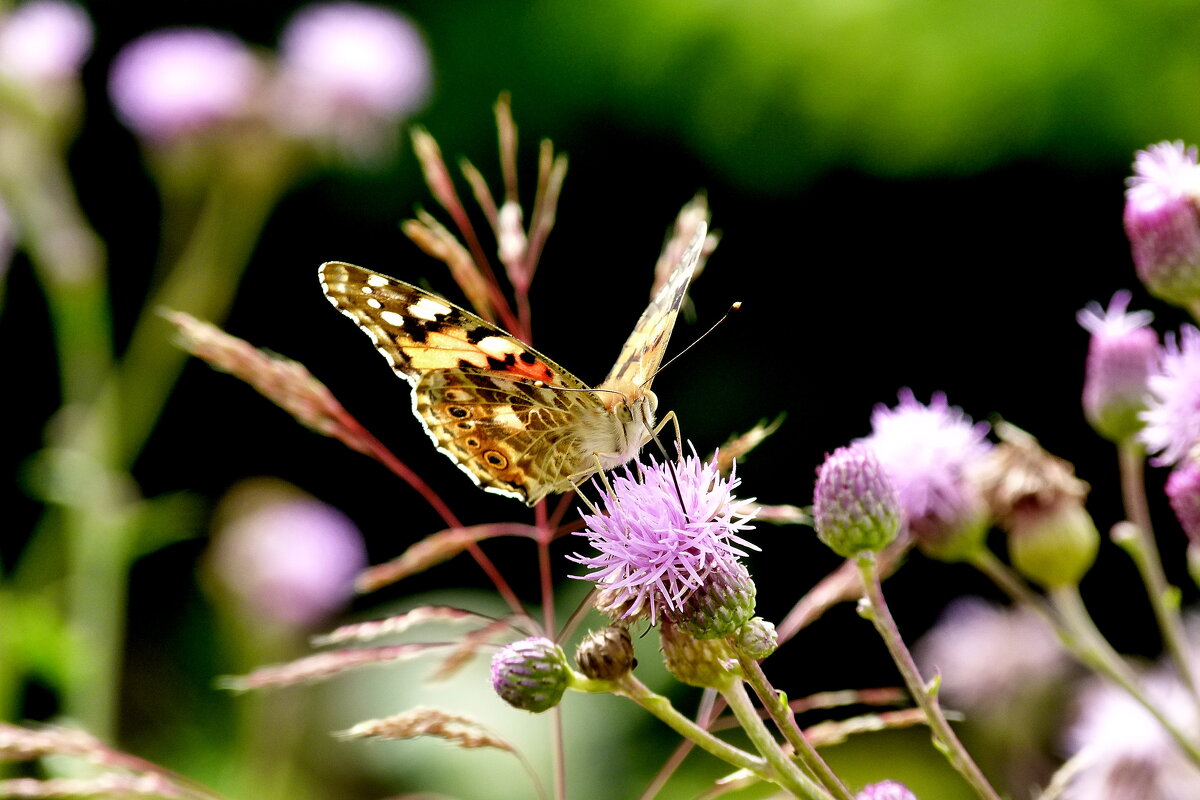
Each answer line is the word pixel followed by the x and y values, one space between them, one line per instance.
pixel 1122 354
pixel 854 505
pixel 606 654
pixel 707 663
pixel 757 639
pixel 531 674
pixel 717 607
pixel 1162 221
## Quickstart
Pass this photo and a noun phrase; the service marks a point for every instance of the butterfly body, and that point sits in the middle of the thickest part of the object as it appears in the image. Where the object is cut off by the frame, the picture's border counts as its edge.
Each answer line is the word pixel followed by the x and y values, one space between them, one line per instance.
pixel 515 421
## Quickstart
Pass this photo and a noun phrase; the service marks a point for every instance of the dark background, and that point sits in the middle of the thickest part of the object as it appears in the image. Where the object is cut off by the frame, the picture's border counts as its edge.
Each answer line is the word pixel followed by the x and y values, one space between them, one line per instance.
pixel 906 199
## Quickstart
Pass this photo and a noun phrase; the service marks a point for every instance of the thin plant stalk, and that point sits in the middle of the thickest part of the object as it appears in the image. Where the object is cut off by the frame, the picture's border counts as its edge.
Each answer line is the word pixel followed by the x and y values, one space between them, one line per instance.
pixel 943 735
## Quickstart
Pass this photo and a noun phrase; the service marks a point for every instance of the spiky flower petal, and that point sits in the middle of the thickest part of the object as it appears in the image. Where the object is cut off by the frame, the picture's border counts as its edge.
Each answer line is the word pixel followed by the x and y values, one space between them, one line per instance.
pixel 664 532
pixel 1171 416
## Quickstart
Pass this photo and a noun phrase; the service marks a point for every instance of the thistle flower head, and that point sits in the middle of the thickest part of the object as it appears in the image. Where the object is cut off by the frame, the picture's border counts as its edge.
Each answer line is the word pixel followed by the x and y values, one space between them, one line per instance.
pixel 171 83
pixel 286 558
pixel 653 550
pixel 345 67
pixel 44 41
pixel 854 505
pixel 1162 222
pixel 1121 355
pixel 928 453
pixel 531 674
pixel 1171 417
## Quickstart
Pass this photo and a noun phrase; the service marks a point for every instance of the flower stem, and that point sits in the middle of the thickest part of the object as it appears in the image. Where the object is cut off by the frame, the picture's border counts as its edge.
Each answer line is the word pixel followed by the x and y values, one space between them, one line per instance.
pixel 787 772
pixel 785 719
pixel 925 696
pixel 1164 598
pixel 1091 648
pixel 630 687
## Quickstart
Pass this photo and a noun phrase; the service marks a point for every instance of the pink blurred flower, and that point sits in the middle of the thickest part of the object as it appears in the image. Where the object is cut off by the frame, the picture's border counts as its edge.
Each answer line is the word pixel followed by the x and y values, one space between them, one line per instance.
pixel 1172 414
pixel 928 453
pixel 44 41
pixel 989 655
pixel 288 560
pixel 173 82
pixel 1163 223
pixel 344 66
pixel 885 790
pixel 1122 752
pixel 1121 355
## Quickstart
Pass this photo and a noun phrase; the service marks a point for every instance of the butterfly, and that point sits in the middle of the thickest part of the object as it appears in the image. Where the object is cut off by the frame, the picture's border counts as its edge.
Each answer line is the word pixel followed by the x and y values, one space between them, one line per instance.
pixel 516 422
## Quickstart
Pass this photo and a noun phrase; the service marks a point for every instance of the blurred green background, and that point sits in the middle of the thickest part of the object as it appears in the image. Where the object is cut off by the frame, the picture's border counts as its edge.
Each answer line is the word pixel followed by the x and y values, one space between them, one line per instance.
pixel 913 194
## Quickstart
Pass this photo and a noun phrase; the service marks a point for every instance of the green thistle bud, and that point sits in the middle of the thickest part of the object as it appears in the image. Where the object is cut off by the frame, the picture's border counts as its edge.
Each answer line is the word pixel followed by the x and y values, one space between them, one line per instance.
pixel 719 606
pixel 756 639
pixel 606 654
pixel 854 504
pixel 531 674
pixel 707 663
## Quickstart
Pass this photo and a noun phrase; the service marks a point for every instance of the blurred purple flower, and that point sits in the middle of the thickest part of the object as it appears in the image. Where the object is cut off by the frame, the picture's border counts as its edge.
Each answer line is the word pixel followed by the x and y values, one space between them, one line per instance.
pixel 655 553
pixel 44 41
pixel 1121 355
pixel 928 453
pixel 855 507
pixel 885 790
pixel 1162 221
pixel 346 64
pixel 173 82
pixel 1122 752
pixel 989 655
pixel 290 560
pixel 1172 414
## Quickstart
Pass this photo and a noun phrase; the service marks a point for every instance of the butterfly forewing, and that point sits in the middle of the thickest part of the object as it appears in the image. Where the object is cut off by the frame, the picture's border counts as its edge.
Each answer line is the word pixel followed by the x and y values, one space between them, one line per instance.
pixel 516 422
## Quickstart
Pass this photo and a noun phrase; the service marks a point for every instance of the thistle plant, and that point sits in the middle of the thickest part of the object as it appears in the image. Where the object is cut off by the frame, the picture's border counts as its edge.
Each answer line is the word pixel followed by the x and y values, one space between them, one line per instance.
pixel 660 535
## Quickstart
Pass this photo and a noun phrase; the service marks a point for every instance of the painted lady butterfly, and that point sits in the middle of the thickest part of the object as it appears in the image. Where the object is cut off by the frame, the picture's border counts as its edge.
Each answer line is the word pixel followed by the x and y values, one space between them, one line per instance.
pixel 516 422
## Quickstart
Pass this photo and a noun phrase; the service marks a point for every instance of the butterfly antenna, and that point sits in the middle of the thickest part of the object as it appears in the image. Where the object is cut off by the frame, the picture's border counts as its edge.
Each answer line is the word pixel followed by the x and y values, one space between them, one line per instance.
pixel 576 617
pixel 735 307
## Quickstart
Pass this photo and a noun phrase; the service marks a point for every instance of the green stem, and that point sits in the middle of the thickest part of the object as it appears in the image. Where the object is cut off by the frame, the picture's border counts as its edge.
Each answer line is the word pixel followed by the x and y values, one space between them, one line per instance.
pixel 1164 598
pixel 785 719
pixel 1094 651
pixel 944 737
pixel 786 772
pixel 633 689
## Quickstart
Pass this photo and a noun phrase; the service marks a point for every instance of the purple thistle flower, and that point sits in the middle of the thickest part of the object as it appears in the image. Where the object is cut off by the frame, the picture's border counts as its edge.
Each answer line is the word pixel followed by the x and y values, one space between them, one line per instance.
pixel 1121 355
pixel 171 83
pixel 44 41
pixel 1162 221
pixel 1183 492
pixel 286 558
pixel 855 507
pixel 347 66
pixel 531 674
pixel 1172 414
pixel 928 453
pixel 655 553
pixel 885 790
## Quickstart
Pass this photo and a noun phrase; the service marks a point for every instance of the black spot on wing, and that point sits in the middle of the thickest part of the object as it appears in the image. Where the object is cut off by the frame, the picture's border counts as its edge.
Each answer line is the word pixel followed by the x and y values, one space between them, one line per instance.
pixel 477 335
pixel 509 360
pixel 528 358
pixel 417 334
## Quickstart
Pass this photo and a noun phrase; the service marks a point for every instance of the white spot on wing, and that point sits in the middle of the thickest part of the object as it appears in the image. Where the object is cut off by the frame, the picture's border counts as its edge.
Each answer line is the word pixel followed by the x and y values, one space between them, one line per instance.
pixel 373 303
pixel 495 346
pixel 367 290
pixel 428 309
pixel 392 318
pixel 376 280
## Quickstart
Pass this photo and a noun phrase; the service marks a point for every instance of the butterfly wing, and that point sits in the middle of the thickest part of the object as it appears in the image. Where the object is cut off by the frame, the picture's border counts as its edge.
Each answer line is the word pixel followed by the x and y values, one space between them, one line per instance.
pixel 644 349
pixel 491 403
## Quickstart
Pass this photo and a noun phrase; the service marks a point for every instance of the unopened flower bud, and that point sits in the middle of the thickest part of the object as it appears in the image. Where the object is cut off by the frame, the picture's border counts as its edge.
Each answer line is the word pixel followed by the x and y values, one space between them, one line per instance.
pixel 1037 499
pixel 707 663
pixel 1162 221
pixel 854 505
pixel 1122 354
pixel 531 674
pixel 756 639
pixel 1183 492
pixel 606 654
pixel 717 607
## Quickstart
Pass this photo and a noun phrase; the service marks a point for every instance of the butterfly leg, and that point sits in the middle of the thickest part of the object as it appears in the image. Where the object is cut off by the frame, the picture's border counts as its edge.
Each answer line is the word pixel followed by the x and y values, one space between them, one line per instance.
pixel 662 423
